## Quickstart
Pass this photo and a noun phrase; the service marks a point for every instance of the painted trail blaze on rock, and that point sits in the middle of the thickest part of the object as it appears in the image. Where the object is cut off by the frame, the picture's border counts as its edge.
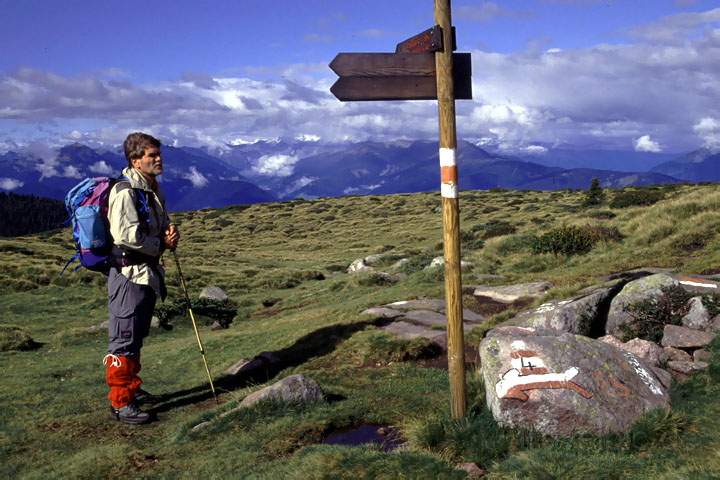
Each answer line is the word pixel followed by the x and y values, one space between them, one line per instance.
pixel 565 384
pixel 529 373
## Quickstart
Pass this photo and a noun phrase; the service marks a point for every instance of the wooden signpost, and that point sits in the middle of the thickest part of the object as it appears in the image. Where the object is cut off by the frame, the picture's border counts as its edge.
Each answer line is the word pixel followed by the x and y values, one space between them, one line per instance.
pixel 424 67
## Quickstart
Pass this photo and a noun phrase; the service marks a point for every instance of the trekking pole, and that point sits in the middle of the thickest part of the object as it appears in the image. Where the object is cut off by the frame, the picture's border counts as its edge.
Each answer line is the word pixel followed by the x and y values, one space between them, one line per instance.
pixel 192 318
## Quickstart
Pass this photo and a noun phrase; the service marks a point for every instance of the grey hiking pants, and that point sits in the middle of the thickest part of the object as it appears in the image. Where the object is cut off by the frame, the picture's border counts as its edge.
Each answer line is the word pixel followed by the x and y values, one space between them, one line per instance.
pixel 131 308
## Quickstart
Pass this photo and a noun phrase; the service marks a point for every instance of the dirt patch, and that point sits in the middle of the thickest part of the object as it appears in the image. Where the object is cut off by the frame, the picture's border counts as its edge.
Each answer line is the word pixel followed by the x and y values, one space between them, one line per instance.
pixel 472 360
pixel 489 307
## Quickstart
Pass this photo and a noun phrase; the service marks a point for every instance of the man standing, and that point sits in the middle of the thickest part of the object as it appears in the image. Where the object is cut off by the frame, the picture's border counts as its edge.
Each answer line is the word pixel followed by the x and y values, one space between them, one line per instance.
pixel 141 231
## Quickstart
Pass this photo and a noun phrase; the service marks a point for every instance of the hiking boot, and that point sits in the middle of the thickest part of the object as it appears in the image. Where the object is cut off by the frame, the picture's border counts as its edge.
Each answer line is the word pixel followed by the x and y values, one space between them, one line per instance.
pixel 143 397
pixel 130 414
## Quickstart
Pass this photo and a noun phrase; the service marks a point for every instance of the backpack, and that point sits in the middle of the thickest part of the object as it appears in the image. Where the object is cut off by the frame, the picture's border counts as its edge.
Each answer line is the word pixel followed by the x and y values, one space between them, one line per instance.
pixel 87 207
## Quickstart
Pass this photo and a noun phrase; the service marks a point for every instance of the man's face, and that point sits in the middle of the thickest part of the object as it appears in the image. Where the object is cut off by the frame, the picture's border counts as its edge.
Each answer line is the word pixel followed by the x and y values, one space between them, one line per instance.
pixel 150 163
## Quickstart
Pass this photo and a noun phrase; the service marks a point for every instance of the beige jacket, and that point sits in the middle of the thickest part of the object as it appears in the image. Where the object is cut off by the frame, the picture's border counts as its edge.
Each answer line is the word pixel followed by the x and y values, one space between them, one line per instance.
pixel 127 233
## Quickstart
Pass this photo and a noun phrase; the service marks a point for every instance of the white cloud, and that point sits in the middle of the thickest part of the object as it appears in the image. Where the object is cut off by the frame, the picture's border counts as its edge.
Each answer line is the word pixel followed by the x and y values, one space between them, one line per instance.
pixel 536 149
pixel 646 144
pixel 10 184
pixel 486 11
pixel 71 171
pixel 197 179
pixel 101 167
pixel 276 165
pixel 708 129
pixel 308 137
pixel 607 95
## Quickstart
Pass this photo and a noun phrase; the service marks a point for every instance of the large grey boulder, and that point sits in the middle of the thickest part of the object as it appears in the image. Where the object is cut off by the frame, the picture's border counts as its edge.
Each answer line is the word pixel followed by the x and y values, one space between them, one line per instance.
pixel 567 384
pixel 575 315
pixel 645 288
pixel 214 293
pixel 698 316
pixel 511 293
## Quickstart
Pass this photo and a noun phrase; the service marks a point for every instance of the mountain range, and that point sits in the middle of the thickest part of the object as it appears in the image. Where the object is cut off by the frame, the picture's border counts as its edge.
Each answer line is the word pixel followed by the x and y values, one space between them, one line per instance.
pixel 266 171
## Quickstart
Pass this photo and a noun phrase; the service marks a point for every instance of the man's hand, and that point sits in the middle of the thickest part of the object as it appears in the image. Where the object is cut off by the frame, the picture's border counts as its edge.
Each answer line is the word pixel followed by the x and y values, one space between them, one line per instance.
pixel 172 237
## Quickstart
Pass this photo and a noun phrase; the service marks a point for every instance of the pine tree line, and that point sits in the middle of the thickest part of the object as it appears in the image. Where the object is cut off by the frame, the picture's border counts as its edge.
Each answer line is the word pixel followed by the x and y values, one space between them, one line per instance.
pixel 24 214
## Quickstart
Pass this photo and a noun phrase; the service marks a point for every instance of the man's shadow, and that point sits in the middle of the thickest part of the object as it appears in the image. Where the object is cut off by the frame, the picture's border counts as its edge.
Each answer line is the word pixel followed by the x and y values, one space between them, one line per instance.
pixel 267 365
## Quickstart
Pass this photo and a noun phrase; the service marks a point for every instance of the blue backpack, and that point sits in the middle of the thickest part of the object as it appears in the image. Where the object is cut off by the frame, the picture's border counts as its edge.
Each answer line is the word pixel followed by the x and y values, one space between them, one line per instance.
pixel 87 207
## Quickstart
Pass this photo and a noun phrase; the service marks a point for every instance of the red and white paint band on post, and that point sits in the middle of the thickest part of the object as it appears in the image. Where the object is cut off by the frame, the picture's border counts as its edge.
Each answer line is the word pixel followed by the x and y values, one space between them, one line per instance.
pixel 448 173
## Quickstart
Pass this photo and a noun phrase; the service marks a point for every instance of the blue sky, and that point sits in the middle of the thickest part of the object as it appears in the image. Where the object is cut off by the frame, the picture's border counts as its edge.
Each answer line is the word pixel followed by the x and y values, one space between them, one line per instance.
pixel 633 74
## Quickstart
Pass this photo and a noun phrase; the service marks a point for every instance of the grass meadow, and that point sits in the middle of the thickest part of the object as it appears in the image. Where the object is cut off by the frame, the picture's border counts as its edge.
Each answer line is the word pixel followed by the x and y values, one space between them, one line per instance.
pixel 283 265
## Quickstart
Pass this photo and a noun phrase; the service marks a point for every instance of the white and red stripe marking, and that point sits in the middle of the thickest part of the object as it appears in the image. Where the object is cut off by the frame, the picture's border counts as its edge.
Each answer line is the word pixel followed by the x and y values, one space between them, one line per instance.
pixel 448 173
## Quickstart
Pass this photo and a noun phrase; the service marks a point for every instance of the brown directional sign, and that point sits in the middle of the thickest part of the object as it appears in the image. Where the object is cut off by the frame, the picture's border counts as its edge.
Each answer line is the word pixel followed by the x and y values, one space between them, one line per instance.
pixel 431 40
pixel 396 76
pixel 428 41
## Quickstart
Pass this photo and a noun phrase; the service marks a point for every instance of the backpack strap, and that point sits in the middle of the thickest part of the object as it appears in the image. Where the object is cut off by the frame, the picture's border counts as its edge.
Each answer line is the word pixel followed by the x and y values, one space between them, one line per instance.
pixel 122 256
pixel 141 199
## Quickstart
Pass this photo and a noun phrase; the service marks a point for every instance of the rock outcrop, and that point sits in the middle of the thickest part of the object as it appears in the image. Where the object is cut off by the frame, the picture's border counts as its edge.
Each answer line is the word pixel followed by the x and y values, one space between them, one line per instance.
pixel 575 315
pixel 511 293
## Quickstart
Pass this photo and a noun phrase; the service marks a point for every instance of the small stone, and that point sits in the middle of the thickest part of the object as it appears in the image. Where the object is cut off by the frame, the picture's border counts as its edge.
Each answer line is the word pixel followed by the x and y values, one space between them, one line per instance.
pixel 238 367
pixel 155 322
pixel 698 316
pixel 214 293
pixel 677 355
pixel 216 326
pixel 200 426
pixel 408 331
pixel 511 293
pixel 440 261
pixel 702 355
pixel 715 324
pixel 373 259
pixel 683 337
pixel 425 317
pixel 359 265
pixel 663 375
pixel 612 340
pixel 293 389
pixel 381 312
pixel 400 263
pixel 472 470
pixel 687 368
pixel 649 351
pixel 434 304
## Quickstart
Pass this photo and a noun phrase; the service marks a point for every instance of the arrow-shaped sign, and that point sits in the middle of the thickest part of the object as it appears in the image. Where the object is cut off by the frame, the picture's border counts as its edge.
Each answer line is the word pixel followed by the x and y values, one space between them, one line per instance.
pixel 396 76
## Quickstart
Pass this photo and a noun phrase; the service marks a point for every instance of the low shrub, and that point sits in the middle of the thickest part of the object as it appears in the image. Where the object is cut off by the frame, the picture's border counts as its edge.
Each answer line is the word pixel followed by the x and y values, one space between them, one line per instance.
pixel 222 311
pixel 493 228
pixel 470 241
pixel 573 239
pixel 634 198
pixel 15 338
pixel 601 214
pixel 289 279
pixel 417 262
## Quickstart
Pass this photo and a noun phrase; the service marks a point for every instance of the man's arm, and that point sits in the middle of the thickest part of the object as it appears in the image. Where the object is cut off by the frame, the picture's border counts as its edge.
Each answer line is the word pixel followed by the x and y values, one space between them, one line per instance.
pixel 125 224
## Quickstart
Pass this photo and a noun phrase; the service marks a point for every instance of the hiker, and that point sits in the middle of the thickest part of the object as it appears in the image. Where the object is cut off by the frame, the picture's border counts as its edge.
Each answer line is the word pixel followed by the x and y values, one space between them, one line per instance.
pixel 141 231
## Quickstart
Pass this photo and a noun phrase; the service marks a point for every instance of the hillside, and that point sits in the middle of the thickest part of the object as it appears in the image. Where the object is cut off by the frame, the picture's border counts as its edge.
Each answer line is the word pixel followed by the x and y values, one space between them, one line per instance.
pixel 283 264
pixel 23 214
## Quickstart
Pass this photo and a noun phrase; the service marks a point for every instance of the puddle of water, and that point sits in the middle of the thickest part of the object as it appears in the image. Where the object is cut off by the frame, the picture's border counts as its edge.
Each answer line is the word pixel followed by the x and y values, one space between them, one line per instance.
pixel 387 437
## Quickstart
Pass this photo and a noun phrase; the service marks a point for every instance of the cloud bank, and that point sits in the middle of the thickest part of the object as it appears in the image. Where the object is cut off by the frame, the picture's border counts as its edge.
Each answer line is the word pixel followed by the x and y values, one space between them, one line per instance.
pixel 658 91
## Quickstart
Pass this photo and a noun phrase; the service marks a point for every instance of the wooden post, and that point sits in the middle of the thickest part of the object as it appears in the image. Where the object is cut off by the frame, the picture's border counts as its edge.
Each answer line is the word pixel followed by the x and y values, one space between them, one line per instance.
pixel 450 210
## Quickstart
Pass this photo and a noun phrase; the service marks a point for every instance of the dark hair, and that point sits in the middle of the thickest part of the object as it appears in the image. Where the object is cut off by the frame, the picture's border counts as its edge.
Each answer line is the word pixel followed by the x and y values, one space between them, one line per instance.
pixel 135 145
